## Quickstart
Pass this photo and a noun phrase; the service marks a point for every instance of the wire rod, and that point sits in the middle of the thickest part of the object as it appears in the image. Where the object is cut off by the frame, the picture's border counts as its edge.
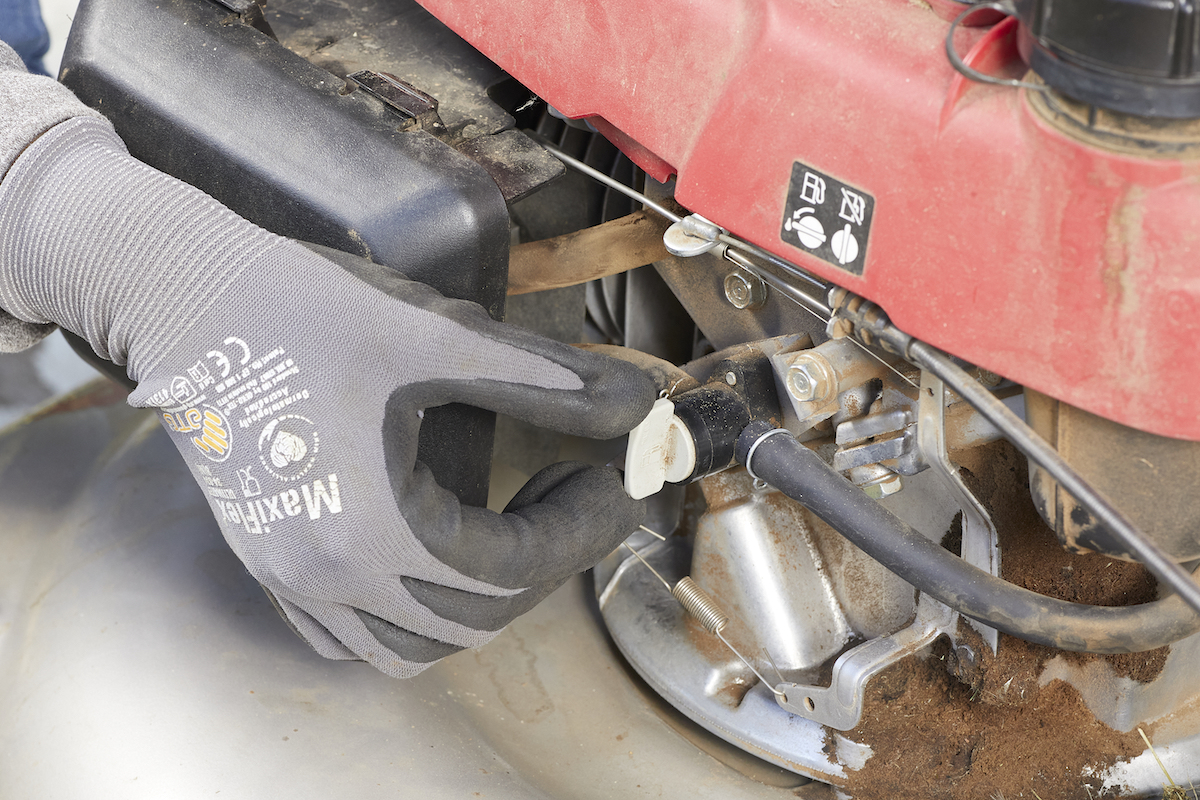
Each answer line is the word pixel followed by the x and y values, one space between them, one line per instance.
pixel 757 674
pixel 793 270
pixel 814 304
pixel 655 534
pixel 638 556
pixel 611 183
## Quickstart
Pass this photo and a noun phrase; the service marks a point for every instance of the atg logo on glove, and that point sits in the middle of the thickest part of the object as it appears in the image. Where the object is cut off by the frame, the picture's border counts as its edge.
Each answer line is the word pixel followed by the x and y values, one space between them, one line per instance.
pixel 214 437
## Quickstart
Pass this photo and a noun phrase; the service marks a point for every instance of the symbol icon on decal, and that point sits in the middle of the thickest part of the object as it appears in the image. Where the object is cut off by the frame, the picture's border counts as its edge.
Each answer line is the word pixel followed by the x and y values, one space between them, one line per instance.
pixel 845 246
pixel 812 190
pixel 854 208
pixel 808 228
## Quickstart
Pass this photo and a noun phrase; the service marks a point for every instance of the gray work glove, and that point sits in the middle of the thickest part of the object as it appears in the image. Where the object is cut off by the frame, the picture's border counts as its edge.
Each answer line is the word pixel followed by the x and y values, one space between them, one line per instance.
pixel 294 390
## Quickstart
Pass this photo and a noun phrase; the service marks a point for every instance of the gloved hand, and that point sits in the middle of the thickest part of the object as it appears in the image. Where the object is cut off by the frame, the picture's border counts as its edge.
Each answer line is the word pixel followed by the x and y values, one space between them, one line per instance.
pixel 294 390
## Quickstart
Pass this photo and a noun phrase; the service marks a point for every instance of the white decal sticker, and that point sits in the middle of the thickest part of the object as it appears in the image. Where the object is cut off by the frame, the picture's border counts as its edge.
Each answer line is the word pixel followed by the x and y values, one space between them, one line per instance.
pixel 854 207
pixel 827 218
pixel 845 246
pixel 808 228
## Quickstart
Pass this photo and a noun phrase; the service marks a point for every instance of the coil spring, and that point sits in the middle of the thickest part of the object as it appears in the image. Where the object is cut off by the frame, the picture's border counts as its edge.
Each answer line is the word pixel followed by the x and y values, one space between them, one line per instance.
pixel 700 605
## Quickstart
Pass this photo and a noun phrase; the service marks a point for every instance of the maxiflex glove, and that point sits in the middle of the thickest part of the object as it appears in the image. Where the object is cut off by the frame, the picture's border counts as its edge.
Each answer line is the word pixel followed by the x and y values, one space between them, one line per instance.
pixel 294 390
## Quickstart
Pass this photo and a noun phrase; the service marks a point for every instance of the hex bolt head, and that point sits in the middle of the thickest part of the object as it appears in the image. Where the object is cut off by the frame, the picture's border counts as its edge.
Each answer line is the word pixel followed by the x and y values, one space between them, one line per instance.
pixel 744 290
pixel 808 380
pixel 801 384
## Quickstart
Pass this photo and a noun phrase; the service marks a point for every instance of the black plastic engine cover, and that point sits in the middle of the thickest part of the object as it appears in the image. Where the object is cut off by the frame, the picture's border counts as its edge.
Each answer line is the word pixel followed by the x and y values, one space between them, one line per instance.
pixel 1133 56
pixel 198 94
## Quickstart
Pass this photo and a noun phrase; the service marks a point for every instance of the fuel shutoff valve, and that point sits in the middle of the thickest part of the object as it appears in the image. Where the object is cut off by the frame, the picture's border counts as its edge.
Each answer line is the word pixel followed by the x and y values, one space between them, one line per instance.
pixel 661 450
pixel 695 433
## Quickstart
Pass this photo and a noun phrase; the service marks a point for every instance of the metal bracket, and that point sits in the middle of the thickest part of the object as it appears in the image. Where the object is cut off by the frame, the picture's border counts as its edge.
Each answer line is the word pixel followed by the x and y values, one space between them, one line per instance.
pixel 840 705
pixel 892 435
pixel 980 545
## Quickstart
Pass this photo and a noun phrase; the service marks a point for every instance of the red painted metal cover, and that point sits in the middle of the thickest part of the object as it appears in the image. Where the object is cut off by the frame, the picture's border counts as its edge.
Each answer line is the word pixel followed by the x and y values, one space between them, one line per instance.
pixel 992 235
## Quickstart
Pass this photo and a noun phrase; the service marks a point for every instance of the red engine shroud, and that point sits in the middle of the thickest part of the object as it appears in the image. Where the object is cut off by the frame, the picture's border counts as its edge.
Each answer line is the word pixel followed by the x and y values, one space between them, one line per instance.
pixel 1067 268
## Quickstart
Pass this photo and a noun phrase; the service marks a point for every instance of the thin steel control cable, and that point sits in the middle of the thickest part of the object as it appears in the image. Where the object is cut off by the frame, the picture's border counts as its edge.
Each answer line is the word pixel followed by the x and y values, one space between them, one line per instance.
pixel 793 270
pixel 610 182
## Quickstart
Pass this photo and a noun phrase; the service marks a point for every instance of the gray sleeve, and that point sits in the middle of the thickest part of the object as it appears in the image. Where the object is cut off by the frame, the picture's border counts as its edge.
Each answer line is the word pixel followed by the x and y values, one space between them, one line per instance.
pixel 30 105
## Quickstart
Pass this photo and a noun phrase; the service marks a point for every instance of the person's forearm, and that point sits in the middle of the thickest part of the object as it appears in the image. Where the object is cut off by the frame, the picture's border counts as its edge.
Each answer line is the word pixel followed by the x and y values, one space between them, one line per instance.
pixel 114 251
pixel 29 106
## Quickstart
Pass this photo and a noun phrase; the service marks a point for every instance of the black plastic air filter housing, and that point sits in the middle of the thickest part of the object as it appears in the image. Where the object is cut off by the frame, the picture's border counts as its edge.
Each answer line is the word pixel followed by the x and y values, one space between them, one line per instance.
pixel 196 93
pixel 1132 56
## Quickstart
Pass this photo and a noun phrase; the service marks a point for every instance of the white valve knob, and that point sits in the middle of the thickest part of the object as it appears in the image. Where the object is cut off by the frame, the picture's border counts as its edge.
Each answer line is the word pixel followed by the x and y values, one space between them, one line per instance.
pixel 661 449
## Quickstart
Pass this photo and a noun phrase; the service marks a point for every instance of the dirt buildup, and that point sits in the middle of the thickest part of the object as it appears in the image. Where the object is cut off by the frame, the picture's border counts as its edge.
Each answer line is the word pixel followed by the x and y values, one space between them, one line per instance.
pixel 967 723
pixel 931 737
pixel 1032 557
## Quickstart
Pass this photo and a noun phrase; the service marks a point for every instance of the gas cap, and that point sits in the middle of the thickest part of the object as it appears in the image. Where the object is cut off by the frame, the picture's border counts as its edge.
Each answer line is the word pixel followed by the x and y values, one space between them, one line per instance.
pixel 1132 56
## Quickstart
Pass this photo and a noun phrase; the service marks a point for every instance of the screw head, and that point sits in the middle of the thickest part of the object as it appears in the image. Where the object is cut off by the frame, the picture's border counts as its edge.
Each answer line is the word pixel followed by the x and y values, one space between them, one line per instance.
pixel 744 291
pixel 731 378
pixel 808 380
pixel 800 384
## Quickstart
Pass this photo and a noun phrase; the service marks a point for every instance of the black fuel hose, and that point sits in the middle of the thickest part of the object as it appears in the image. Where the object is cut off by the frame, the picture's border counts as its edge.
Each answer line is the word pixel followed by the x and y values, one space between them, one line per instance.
pixel 804 476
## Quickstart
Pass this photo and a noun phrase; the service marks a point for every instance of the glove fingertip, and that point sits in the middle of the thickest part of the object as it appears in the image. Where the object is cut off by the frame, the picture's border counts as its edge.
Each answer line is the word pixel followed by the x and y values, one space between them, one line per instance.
pixel 619 397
